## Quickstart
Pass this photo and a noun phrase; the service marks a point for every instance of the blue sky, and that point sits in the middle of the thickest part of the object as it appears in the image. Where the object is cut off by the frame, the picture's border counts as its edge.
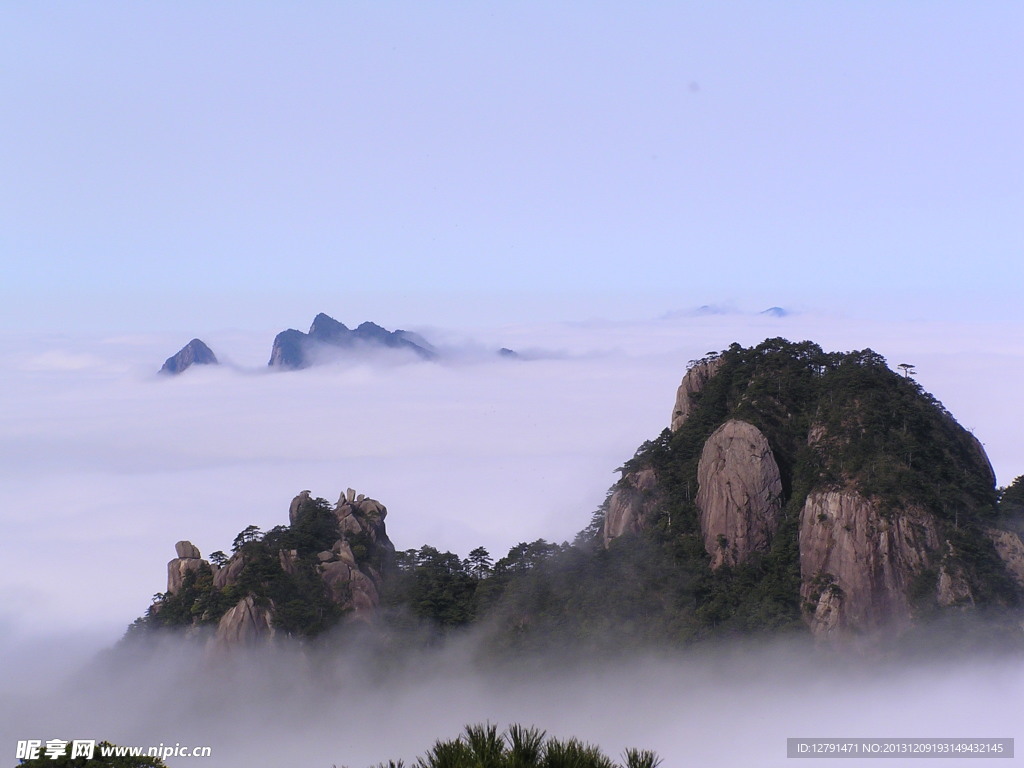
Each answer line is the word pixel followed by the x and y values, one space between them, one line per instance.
pixel 183 166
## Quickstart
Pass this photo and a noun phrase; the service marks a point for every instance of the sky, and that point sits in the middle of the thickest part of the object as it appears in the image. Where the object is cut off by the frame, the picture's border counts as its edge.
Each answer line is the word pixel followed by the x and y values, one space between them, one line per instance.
pixel 574 183
pixel 181 165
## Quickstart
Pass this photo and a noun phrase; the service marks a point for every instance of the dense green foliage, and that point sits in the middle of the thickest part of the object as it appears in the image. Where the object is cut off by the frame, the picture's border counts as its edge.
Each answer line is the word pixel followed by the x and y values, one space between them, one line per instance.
pixel 481 746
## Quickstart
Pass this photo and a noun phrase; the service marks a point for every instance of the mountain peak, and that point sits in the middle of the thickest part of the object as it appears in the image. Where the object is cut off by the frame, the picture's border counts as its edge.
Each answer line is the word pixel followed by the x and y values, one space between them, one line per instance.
pixel 194 353
pixel 294 349
pixel 326 328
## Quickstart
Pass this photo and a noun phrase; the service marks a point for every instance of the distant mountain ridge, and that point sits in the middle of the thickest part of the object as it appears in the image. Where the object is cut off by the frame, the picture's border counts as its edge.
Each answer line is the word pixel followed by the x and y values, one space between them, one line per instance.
pixel 294 349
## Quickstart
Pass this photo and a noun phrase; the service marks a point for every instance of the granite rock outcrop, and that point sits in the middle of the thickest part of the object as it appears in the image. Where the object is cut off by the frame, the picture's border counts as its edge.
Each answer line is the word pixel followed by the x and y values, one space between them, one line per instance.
pixel 693 383
pixel 739 496
pixel 187 560
pixel 631 505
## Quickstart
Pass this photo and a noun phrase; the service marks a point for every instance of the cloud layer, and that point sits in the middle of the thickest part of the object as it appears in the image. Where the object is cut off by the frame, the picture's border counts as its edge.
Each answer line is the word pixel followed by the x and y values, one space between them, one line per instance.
pixel 106 465
pixel 727 706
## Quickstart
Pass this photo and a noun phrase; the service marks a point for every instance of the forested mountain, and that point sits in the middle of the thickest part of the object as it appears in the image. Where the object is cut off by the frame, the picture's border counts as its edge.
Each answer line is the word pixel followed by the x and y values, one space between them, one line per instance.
pixel 796 491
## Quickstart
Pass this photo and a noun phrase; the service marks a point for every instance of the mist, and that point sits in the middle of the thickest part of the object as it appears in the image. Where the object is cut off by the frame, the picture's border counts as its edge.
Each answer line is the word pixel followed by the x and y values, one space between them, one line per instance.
pixel 729 705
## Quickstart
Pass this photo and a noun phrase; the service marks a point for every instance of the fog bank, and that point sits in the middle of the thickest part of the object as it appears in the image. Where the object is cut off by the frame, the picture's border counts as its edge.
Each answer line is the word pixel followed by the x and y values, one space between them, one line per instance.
pixel 105 464
pixel 727 706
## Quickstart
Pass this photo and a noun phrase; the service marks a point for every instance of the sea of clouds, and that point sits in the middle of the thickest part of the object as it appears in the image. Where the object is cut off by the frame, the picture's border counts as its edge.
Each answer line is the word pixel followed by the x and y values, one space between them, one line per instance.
pixel 105 465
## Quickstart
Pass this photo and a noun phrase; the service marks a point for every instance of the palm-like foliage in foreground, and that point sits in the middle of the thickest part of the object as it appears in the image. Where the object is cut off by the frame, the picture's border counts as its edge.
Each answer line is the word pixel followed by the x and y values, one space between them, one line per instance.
pixel 481 746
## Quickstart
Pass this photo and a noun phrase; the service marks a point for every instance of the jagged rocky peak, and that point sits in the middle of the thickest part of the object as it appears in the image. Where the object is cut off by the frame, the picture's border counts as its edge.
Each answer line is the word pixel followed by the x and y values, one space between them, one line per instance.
pixel 294 349
pixel 739 496
pixel 268 585
pixel 696 378
pixel 193 353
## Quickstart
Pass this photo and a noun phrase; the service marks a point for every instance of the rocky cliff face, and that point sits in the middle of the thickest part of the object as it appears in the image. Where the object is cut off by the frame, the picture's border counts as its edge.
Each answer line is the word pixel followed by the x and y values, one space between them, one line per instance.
pixel 1010 549
pixel 631 505
pixel 193 353
pixel 739 495
pixel 245 624
pixel 693 382
pixel 857 566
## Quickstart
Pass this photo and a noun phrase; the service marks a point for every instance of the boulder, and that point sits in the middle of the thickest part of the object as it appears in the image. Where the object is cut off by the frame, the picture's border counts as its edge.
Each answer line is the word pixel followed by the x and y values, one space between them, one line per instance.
pixel 295 508
pixel 186 549
pixel 739 493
